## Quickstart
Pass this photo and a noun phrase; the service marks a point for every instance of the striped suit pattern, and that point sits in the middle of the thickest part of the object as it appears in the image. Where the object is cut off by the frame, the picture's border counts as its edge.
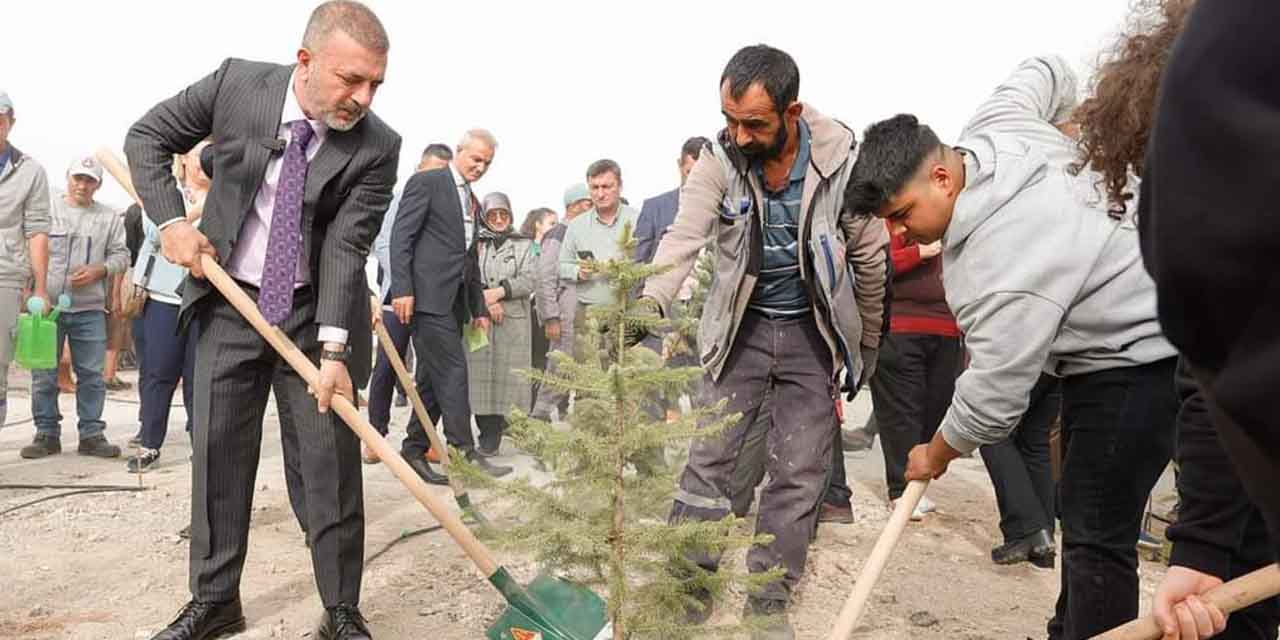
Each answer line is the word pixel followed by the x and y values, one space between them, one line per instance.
pixel 348 189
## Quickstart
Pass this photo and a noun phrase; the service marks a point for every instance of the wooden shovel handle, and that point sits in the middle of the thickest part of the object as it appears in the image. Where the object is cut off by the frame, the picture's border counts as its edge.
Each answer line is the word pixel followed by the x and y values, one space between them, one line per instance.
pixel 451 522
pixel 871 571
pixel 411 390
pixel 1230 596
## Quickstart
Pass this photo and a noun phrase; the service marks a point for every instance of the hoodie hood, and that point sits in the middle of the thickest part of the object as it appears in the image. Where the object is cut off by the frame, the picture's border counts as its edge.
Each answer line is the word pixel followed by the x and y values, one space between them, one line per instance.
pixel 990 186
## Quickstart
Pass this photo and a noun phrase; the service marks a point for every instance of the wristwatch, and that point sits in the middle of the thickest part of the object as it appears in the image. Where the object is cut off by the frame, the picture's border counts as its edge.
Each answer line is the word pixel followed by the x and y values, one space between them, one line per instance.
pixel 334 354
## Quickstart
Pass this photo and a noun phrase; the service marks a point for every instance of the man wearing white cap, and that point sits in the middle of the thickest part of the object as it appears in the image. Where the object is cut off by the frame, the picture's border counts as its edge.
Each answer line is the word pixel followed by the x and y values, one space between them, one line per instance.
pixel 86 246
pixel 24 238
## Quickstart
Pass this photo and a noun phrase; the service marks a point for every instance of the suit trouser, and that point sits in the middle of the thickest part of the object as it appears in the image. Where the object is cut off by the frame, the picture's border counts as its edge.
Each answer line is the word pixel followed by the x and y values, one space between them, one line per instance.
pixel 1117 438
pixel 442 366
pixel 789 360
pixel 383 381
pixel 1214 501
pixel 911 390
pixel 1020 467
pixel 235 371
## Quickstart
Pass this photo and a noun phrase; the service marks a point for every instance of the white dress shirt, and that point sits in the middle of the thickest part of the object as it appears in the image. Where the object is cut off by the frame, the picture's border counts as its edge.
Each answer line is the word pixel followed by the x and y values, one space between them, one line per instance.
pixel 250 252
pixel 464 198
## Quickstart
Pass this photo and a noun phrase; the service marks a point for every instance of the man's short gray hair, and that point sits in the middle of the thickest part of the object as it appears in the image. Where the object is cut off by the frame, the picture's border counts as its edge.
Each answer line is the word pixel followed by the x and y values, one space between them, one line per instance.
pixel 482 135
pixel 349 17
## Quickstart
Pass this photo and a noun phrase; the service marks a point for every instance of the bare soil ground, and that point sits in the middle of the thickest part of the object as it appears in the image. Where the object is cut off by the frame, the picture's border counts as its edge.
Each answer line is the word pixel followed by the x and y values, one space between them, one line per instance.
pixel 111 565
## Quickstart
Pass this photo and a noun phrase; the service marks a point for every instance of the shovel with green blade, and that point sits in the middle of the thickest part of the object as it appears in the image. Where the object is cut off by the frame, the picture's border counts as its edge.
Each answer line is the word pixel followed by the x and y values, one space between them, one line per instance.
pixel 549 609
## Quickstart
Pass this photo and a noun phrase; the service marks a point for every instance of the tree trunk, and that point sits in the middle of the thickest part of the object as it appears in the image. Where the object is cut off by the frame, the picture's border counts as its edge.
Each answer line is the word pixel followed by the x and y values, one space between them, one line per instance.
pixel 618 567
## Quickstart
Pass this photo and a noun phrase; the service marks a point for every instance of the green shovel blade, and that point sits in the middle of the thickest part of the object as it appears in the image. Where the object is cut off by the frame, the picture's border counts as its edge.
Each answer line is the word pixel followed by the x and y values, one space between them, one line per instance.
pixel 548 609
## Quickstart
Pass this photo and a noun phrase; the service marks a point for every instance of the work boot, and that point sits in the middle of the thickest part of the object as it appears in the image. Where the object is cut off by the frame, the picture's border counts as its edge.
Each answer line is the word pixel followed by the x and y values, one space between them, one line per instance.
pixel 1037 548
pixel 42 446
pixel 98 447
pixel 768 619
pixel 835 514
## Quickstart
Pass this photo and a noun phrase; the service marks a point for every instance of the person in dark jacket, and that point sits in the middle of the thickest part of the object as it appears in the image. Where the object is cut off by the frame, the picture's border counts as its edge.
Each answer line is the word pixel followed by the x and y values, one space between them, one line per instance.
pixel 1210 303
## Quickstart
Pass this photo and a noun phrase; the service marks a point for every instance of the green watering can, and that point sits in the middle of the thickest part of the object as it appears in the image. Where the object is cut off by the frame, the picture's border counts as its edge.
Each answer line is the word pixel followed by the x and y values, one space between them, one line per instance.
pixel 37 343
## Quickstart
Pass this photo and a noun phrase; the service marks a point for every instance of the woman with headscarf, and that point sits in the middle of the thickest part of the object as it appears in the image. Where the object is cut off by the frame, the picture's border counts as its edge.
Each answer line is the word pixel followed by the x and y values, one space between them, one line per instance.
pixel 507 273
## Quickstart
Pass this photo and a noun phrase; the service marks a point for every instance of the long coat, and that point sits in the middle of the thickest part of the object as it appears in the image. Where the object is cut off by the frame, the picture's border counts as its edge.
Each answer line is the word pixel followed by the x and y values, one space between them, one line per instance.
pixel 493 376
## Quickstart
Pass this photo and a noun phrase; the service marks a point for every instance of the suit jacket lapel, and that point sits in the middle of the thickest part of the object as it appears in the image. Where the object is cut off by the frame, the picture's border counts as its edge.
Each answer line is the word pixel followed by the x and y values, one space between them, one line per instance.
pixel 266 108
pixel 333 155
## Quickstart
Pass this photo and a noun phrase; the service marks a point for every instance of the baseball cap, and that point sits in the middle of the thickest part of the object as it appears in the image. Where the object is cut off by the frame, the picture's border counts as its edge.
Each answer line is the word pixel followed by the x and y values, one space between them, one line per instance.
pixel 575 193
pixel 6 105
pixel 86 166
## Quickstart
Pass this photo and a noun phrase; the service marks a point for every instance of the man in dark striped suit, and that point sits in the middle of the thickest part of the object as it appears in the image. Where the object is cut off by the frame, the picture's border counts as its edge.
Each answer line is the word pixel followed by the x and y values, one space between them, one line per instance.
pixel 302 176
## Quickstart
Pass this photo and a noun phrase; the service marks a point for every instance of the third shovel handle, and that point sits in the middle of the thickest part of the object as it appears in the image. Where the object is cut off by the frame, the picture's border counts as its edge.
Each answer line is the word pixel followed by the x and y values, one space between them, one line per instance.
pixel 1230 596
pixel 411 390
pixel 346 410
pixel 871 571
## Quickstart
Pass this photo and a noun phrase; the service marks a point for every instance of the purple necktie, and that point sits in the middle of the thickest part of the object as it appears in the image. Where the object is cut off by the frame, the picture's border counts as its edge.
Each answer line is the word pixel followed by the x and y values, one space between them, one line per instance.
pixel 284 244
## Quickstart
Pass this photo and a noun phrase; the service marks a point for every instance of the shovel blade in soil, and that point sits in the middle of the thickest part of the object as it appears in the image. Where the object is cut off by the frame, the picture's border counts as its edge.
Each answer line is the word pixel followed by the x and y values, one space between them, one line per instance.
pixel 548 609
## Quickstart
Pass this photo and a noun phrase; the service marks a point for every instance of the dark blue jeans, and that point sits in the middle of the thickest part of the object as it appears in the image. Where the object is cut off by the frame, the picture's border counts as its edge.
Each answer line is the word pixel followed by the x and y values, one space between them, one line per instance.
pixel 167 357
pixel 139 332
pixel 1117 437
pixel 383 383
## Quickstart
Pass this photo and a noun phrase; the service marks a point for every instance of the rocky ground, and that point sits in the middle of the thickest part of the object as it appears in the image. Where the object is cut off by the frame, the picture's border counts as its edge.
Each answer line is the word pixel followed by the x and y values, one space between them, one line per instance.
pixel 111 565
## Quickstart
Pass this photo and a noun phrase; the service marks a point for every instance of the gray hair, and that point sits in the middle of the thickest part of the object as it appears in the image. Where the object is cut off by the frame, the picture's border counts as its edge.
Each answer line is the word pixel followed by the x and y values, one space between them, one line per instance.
pixel 349 17
pixel 482 135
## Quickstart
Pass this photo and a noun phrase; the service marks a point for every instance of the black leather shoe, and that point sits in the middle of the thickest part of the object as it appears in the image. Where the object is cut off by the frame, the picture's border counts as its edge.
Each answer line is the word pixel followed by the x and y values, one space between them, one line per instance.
pixel 204 621
pixel 423 468
pixel 343 622
pixel 495 470
pixel 1037 548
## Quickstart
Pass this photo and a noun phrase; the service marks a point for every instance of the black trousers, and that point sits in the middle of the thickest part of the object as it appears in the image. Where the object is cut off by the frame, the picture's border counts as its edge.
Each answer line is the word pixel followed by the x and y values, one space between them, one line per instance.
pixel 911 391
pixel 1219 530
pixel 234 373
pixel 383 382
pixel 442 367
pixel 1117 438
pixel 1021 468
pixel 541 345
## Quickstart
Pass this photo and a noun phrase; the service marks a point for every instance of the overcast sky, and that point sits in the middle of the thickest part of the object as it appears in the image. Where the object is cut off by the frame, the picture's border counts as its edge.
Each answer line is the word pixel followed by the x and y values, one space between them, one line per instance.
pixel 559 83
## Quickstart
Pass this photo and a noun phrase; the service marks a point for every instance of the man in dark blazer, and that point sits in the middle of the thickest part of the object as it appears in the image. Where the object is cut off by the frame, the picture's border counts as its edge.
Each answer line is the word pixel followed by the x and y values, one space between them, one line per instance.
pixel 657 213
pixel 435 284
pixel 302 175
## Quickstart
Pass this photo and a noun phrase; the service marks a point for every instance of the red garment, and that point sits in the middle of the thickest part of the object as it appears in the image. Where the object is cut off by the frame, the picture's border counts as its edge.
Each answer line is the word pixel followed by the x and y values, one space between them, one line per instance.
pixel 919 302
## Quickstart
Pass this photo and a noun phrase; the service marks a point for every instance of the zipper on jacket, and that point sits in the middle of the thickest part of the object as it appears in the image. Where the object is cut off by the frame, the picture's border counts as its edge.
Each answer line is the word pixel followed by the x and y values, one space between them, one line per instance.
pixel 819 296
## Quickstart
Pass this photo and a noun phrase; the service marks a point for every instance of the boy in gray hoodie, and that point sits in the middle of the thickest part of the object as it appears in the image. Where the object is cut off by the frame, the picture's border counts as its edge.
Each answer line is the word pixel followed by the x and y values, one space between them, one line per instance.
pixel 86 247
pixel 1041 278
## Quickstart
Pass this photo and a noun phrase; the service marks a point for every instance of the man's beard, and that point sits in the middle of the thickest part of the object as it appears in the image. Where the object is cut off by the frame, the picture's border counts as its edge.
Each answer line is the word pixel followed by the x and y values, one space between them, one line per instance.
pixel 761 153
pixel 331 117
